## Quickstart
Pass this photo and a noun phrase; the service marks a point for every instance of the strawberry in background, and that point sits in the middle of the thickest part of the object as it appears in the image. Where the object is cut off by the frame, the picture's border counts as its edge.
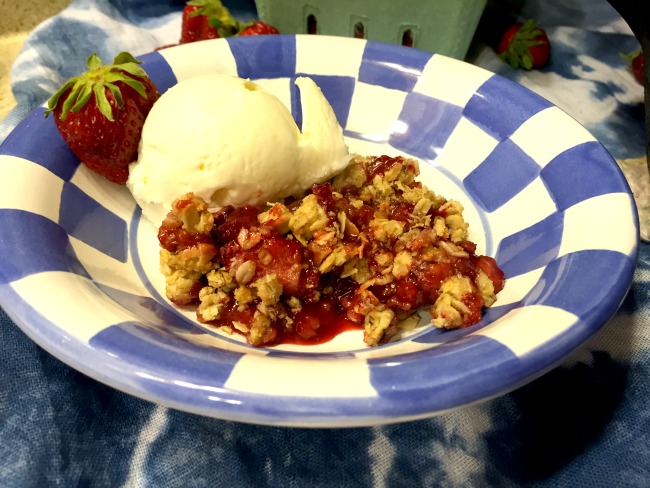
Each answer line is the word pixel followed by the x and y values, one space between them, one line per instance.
pixel 635 61
pixel 524 46
pixel 209 19
pixel 206 19
pixel 257 28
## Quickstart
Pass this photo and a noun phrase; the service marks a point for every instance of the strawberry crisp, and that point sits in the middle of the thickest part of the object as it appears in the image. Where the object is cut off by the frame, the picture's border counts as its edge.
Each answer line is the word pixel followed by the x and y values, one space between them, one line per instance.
pixel 364 250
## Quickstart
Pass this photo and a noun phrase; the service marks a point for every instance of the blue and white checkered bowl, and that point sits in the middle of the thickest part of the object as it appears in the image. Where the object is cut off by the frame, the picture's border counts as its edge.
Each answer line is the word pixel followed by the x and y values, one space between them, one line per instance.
pixel 79 267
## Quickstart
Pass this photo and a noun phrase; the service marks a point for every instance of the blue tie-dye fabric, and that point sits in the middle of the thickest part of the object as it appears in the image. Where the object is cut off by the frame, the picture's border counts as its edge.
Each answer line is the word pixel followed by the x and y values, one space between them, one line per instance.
pixel 586 423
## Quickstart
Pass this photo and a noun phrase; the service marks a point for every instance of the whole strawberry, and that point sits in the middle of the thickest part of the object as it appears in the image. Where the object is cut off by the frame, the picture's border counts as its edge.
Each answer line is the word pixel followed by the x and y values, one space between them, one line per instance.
pixel 637 67
pixel 525 46
pixel 258 28
pixel 635 60
pixel 100 114
pixel 206 19
pixel 195 27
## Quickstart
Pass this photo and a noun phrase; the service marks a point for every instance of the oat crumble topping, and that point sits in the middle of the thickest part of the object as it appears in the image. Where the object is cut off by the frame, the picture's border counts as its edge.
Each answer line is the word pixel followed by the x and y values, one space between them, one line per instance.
pixel 369 248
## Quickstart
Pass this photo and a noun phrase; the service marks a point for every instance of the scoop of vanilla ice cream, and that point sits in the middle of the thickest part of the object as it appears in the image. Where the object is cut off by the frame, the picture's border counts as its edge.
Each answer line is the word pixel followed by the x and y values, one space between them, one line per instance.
pixel 230 142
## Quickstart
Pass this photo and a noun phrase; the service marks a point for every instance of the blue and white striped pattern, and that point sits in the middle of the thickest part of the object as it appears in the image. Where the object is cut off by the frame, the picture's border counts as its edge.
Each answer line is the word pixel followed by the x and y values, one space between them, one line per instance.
pixel 78 268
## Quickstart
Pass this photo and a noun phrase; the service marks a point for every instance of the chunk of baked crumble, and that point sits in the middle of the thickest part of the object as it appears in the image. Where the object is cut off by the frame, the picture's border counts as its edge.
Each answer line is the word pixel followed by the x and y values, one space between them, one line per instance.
pixel 367 249
pixel 187 249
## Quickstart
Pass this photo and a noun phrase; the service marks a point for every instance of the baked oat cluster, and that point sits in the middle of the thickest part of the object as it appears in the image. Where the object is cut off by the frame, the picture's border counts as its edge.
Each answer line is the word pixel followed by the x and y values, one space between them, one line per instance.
pixel 367 249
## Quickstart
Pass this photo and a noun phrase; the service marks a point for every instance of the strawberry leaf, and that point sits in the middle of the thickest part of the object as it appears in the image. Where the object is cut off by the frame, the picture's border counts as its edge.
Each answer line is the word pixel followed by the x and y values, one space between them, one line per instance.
pixel 116 93
pixel 133 69
pixel 71 100
pixel 209 8
pixel 83 97
pixel 224 28
pixel 115 76
pixel 629 57
pixel 93 62
pixel 102 102
pixel 54 101
pixel 136 85
pixel 124 58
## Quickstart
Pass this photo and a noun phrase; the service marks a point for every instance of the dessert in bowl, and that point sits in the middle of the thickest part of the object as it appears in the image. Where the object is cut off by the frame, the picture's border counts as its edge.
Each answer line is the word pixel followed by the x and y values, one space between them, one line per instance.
pixel 476 138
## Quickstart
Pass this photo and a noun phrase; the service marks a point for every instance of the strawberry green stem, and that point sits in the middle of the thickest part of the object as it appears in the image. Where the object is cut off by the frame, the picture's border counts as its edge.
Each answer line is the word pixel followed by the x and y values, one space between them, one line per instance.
pixel 99 77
